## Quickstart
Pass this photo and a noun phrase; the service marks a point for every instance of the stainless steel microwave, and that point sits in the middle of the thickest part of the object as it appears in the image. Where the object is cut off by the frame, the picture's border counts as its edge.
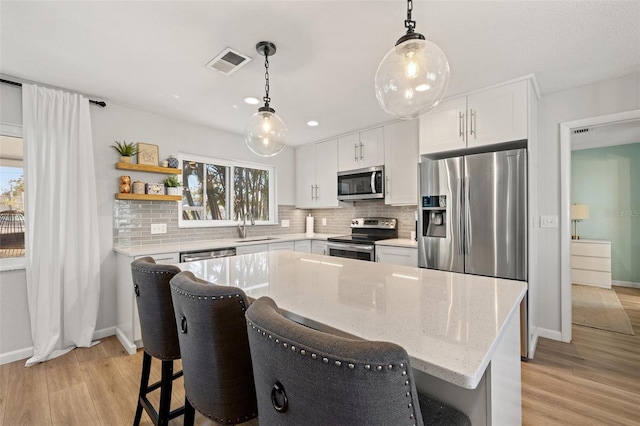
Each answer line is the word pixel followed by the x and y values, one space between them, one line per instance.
pixel 361 184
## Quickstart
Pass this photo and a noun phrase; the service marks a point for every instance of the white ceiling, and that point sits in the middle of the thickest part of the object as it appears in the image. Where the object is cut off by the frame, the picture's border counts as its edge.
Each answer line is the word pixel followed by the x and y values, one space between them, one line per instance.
pixel 151 55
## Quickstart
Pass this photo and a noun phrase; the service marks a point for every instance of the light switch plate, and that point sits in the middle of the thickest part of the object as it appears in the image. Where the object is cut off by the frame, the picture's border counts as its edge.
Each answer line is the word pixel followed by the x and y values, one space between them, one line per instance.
pixel 158 228
pixel 324 221
pixel 548 221
pixel 285 223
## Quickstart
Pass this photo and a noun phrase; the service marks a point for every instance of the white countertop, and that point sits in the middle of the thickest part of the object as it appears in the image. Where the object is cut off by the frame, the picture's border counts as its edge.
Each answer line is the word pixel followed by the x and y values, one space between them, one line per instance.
pixel 183 246
pixel 398 242
pixel 450 324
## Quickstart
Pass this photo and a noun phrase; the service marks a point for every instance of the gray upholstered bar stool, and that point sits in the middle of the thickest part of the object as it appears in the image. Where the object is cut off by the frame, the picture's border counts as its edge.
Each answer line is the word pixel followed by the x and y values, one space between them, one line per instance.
pixel 218 378
pixel 307 377
pixel 159 334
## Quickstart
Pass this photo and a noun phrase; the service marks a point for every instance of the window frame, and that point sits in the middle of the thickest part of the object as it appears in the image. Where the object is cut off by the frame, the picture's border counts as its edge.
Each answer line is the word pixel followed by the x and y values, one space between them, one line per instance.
pixel 231 164
pixel 14 263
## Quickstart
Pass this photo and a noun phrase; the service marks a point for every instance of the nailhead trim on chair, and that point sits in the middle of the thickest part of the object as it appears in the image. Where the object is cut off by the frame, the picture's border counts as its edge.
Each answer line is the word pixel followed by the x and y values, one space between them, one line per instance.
pixel 339 363
pixel 242 308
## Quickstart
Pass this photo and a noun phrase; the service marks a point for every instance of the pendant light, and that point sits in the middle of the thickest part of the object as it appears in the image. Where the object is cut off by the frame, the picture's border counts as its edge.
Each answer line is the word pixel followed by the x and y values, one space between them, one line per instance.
pixel 265 133
pixel 413 77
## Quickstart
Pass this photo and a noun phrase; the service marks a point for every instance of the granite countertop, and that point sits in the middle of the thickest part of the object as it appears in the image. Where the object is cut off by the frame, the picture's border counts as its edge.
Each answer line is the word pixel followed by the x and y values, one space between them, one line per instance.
pixel 449 323
pixel 184 246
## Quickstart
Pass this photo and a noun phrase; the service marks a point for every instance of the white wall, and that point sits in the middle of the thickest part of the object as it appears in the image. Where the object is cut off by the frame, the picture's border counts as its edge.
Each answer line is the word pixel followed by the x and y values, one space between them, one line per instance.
pixel 607 97
pixel 109 124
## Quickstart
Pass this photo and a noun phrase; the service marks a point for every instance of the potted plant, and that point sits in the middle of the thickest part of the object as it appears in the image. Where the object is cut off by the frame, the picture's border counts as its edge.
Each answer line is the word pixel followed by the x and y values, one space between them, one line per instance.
pixel 126 151
pixel 172 184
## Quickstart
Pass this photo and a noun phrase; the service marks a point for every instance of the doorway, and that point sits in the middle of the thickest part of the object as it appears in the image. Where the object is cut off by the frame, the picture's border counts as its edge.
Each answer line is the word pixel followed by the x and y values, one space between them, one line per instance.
pixel 566 140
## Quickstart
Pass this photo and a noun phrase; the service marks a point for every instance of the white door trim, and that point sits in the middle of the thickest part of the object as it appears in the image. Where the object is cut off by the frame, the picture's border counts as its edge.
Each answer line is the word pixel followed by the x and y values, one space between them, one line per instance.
pixel 565 207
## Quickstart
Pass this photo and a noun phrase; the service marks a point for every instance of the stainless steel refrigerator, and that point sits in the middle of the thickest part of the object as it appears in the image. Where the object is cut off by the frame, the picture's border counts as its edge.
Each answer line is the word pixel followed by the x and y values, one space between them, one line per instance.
pixel 473 216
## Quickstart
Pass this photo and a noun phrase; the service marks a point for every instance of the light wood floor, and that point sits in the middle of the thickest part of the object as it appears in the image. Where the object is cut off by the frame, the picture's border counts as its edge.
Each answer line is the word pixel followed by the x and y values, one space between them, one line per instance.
pixel 595 380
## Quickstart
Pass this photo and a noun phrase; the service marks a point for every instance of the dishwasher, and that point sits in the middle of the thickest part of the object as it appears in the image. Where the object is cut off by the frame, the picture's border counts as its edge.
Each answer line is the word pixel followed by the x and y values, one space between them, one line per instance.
pixel 192 256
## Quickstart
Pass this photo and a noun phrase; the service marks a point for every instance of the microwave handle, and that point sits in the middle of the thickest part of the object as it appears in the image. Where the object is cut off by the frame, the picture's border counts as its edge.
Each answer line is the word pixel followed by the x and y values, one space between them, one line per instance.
pixel 373 183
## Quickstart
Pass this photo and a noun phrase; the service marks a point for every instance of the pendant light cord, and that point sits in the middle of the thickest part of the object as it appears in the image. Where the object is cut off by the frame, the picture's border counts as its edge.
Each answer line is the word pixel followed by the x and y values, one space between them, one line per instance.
pixel 409 24
pixel 266 98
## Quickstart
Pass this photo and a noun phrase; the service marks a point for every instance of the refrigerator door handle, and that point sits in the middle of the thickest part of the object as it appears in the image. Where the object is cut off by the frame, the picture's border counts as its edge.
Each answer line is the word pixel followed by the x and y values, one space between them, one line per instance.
pixel 461 208
pixel 467 229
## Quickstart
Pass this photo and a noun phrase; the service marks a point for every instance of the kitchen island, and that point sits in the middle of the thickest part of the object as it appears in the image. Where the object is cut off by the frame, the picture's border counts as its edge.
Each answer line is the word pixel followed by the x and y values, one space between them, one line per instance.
pixel 461 331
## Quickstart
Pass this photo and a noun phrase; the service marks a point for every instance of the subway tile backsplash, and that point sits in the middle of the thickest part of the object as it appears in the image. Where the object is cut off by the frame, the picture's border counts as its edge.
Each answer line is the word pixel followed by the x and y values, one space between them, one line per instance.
pixel 132 221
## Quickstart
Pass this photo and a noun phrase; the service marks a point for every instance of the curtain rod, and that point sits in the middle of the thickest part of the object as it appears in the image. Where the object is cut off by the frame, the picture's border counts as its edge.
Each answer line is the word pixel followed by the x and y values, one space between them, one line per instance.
pixel 101 104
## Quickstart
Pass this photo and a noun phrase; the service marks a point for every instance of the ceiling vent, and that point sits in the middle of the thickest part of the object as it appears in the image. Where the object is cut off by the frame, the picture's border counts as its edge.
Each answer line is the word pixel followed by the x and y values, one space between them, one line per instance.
pixel 578 131
pixel 228 61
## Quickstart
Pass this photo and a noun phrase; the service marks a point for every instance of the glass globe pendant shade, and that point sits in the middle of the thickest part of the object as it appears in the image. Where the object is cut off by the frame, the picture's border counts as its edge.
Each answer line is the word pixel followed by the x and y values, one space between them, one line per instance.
pixel 412 78
pixel 265 133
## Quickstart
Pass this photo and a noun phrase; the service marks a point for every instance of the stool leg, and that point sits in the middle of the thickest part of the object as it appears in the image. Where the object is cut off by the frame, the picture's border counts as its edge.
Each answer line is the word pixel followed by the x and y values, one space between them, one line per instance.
pixel 189 413
pixel 165 393
pixel 144 383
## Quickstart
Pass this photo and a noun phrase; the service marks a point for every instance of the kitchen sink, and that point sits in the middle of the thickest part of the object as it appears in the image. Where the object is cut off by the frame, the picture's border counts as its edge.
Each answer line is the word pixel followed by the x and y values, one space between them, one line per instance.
pixel 252 239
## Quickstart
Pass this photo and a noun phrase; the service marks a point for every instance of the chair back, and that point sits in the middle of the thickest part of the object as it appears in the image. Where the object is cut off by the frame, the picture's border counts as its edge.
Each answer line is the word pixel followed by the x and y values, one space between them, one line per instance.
pixel 307 377
pixel 216 361
pixel 155 309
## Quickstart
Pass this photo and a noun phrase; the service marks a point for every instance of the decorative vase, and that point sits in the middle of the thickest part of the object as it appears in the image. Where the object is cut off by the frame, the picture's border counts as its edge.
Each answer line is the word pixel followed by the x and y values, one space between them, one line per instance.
pixel 125 159
pixel 125 184
pixel 138 187
pixel 173 162
pixel 172 190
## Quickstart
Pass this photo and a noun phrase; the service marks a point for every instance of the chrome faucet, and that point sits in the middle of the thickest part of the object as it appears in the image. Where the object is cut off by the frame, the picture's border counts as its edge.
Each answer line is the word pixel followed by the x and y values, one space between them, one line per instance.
pixel 242 229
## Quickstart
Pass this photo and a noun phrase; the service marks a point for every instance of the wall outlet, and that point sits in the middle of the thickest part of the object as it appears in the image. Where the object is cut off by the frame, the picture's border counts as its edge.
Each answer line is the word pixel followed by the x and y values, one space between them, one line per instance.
pixel 158 228
pixel 324 221
pixel 285 223
pixel 548 221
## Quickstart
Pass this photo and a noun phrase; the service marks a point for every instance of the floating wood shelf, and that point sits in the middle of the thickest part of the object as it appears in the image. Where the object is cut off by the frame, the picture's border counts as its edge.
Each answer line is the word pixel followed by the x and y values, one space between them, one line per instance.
pixel 146 168
pixel 148 197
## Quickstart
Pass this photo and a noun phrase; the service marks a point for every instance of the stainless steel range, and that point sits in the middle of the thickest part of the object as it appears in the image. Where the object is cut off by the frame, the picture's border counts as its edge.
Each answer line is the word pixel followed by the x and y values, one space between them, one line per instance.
pixel 365 231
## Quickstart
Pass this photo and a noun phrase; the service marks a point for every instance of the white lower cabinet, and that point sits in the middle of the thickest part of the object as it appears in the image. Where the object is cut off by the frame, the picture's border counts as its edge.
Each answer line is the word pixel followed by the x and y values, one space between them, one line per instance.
pixel 303 246
pixel 283 245
pixel 319 247
pixel 406 256
pixel 128 327
pixel 252 248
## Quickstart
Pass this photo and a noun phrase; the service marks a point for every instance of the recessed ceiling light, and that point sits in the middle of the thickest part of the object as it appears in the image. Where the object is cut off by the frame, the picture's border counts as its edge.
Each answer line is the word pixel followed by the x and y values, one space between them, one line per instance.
pixel 312 123
pixel 251 100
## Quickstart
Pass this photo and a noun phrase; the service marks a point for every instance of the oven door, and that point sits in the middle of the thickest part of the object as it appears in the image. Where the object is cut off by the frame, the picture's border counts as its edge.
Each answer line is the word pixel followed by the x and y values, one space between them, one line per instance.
pixel 352 251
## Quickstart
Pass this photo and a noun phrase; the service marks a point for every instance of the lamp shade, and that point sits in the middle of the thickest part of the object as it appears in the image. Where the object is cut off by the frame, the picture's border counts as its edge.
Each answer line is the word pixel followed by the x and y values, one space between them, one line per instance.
pixel 265 133
pixel 412 78
pixel 579 211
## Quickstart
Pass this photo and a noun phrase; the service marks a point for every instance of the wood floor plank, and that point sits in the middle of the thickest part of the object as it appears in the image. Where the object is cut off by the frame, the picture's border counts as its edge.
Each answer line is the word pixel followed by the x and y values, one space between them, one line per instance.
pixel 28 395
pixel 4 389
pixel 73 405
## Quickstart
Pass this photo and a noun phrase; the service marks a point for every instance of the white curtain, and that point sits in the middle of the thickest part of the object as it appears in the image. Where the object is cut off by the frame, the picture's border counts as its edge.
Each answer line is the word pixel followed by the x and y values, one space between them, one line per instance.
pixel 62 247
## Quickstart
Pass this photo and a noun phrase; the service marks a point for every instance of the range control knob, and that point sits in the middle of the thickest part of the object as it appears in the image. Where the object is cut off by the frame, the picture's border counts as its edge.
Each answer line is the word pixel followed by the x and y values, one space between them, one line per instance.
pixel 354 222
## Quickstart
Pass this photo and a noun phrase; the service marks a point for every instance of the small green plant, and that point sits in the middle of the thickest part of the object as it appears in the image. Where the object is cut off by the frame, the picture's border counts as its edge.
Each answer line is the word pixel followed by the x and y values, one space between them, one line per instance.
pixel 172 182
pixel 125 149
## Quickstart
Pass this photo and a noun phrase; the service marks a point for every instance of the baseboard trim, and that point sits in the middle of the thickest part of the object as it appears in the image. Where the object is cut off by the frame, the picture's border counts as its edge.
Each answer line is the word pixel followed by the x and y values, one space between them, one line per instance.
pixel 131 348
pixel 625 284
pixel 16 355
pixel 104 332
pixel 533 344
pixel 549 334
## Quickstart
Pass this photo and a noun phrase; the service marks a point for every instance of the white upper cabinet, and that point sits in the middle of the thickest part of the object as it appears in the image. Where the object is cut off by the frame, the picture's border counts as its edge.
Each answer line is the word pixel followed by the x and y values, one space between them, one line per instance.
pixel 361 150
pixel 401 162
pixel 487 117
pixel 316 175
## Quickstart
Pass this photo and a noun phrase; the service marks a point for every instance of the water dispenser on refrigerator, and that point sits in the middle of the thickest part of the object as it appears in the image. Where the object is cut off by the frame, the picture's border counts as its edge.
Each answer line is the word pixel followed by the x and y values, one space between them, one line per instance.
pixel 434 216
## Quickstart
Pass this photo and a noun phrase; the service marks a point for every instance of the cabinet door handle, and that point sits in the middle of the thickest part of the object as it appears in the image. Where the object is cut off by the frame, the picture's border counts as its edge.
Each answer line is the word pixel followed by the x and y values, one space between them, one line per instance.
pixel 361 151
pixel 317 197
pixel 387 183
pixel 355 152
pixel 312 192
pixel 472 126
pixel 461 125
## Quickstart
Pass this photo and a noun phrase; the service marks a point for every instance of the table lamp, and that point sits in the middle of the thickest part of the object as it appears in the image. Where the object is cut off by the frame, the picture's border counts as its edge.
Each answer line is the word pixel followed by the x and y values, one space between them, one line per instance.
pixel 578 212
